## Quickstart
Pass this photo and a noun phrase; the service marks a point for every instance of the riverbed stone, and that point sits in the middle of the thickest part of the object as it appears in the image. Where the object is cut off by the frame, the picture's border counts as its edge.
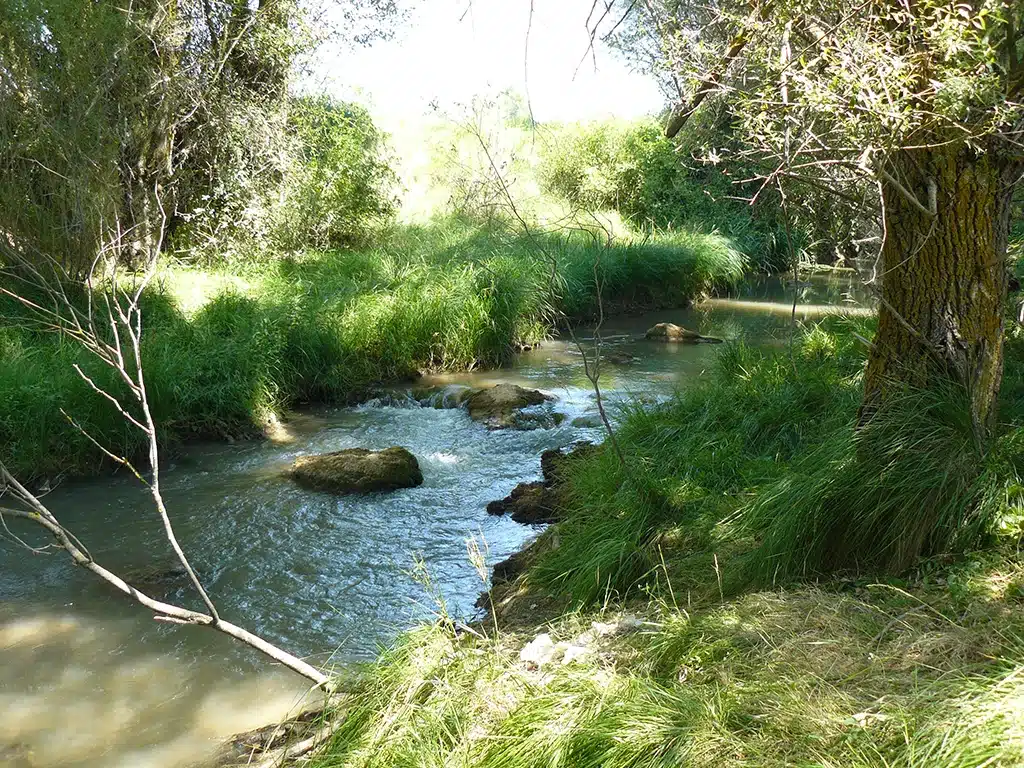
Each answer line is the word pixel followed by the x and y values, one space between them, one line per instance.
pixel 675 334
pixel 358 470
pixel 539 502
pixel 501 407
pixel 621 358
pixel 529 503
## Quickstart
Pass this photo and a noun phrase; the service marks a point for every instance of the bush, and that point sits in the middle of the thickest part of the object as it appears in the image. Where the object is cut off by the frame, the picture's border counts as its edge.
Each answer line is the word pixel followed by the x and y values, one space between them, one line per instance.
pixel 636 170
pixel 339 188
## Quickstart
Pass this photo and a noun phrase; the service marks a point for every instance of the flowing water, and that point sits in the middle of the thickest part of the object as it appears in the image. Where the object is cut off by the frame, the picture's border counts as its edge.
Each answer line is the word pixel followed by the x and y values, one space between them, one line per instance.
pixel 89 680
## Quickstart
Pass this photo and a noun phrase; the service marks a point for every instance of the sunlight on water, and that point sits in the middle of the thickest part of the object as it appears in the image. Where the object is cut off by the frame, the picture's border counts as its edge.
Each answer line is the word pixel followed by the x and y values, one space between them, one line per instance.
pixel 89 680
pixel 76 691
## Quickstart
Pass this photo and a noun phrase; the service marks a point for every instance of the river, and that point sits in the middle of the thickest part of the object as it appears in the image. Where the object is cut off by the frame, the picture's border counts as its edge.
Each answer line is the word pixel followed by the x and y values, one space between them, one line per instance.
pixel 89 680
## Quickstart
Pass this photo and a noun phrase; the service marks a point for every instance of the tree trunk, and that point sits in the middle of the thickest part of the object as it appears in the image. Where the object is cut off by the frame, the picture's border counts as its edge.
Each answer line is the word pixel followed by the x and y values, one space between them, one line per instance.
pixel 943 276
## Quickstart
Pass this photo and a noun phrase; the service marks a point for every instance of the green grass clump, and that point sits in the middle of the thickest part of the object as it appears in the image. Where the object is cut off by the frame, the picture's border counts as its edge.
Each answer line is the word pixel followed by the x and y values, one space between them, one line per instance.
pixel 222 352
pixel 697 459
pixel 912 480
pixel 842 674
pixel 760 474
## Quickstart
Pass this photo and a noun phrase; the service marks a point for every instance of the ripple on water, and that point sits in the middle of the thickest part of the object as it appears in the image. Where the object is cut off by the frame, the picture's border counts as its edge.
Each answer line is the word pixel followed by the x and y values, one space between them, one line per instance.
pixel 89 680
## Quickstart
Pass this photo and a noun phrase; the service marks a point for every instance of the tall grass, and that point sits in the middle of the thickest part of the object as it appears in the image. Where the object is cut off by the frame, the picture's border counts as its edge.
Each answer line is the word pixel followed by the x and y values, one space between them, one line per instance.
pixel 929 675
pixel 223 352
pixel 760 474
pixel 696 460
pixel 913 480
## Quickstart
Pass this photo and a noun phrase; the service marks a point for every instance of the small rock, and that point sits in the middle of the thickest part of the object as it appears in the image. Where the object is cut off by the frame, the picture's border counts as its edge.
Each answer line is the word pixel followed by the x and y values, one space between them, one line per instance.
pixel 358 470
pixel 587 422
pixel 539 651
pixel 626 623
pixel 529 503
pixel 501 406
pixel 676 334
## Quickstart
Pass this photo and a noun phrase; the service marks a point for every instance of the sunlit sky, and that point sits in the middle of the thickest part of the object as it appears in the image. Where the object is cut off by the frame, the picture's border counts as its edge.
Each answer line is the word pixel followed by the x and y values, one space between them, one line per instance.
pixel 435 57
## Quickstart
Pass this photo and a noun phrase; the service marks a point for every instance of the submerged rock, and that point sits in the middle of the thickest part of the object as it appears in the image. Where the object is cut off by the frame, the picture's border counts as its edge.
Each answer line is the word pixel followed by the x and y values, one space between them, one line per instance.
pixel 621 358
pixel 501 407
pixel 358 470
pixel 450 396
pixel 676 334
pixel 156 578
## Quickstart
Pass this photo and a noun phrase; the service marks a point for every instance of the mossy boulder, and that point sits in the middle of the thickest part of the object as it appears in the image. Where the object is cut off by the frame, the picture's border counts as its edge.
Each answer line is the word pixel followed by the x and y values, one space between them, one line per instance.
pixel 358 470
pixel 501 406
pixel 671 333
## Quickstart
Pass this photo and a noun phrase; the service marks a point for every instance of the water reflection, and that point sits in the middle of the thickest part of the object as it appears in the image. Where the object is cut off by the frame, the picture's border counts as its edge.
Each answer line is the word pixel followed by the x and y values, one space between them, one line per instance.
pixel 76 691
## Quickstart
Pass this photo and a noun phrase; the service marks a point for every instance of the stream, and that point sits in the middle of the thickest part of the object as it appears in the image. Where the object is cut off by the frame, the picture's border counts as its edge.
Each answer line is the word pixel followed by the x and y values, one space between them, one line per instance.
pixel 89 680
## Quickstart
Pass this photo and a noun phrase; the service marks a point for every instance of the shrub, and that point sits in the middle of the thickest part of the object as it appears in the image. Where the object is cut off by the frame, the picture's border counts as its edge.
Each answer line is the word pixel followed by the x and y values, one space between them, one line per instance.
pixel 634 169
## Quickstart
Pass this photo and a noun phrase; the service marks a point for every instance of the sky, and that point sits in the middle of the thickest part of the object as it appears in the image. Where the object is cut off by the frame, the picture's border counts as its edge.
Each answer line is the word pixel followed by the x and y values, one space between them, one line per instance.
pixel 436 57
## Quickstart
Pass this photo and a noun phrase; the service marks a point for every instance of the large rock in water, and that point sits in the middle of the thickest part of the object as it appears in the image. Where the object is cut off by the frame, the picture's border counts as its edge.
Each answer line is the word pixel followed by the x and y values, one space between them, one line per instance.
pixel 500 406
pixel 676 334
pixel 358 470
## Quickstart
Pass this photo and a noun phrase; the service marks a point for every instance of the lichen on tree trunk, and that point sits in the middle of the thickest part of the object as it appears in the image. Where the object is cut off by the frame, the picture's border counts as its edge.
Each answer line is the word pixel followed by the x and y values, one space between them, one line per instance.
pixel 943 277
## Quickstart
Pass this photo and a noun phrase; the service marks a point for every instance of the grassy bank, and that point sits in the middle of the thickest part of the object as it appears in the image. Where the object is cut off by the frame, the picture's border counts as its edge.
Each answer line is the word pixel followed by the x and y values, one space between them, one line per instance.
pixel 735 651
pixel 223 351
pixel 925 672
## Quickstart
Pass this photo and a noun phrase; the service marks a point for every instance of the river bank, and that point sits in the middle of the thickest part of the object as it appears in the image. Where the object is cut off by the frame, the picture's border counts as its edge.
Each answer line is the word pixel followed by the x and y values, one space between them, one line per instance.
pixel 331 578
pixel 644 629
pixel 227 352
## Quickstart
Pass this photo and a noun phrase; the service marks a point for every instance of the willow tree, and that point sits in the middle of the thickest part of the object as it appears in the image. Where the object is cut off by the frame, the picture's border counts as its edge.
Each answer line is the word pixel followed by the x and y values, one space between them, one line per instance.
pixel 120 123
pixel 914 105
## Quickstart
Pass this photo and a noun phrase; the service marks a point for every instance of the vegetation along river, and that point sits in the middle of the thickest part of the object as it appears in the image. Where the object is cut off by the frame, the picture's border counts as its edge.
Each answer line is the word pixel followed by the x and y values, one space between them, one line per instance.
pixel 89 679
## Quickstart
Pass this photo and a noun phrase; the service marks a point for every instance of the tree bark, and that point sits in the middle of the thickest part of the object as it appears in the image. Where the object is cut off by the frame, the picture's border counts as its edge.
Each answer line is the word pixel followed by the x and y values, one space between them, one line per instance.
pixel 943 275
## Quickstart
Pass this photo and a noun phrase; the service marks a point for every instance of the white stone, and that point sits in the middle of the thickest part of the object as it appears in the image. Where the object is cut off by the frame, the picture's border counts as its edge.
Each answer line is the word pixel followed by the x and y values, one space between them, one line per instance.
pixel 538 651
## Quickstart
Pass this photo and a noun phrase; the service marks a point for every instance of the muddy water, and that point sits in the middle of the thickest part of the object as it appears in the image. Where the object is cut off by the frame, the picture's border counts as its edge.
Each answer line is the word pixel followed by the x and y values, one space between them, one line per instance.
pixel 88 680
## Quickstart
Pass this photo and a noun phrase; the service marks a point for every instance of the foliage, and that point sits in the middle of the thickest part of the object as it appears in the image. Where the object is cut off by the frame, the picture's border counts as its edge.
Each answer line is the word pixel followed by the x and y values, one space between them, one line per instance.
pixel 923 674
pixel 123 126
pixel 62 105
pixel 483 153
pixel 817 87
pixel 634 169
pixel 340 186
pixel 225 351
